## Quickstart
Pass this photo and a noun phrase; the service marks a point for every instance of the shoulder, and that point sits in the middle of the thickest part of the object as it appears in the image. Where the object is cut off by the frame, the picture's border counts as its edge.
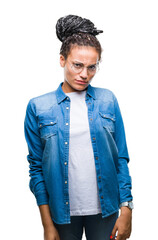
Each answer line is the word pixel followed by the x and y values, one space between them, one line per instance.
pixel 42 102
pixel 104 94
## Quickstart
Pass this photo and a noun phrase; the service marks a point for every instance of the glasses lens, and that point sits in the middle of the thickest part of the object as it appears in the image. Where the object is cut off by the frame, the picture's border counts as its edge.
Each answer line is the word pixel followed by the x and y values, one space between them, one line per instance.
pixel 93 69
pixel 77 67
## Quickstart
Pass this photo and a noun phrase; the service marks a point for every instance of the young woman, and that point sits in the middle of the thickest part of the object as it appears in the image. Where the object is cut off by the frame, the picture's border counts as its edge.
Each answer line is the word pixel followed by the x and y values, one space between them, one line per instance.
pixel 77 148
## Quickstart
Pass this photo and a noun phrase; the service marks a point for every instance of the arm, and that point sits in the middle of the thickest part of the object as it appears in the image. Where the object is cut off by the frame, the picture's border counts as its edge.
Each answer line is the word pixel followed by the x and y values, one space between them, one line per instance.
pixel 124 179
pixel 50 232
pixel 37 184
pixel 124 222
pixel 35 148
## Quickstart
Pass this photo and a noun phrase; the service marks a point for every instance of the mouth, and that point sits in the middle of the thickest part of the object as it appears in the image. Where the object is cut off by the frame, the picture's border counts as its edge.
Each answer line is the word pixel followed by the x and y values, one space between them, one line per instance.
pixel 80 82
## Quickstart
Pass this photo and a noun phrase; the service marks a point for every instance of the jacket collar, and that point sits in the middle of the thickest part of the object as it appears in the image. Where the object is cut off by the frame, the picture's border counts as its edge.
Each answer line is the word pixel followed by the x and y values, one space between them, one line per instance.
pixel 60 95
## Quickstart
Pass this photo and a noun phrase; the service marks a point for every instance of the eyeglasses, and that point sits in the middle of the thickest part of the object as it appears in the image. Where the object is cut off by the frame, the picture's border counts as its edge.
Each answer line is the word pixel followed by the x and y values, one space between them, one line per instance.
pixel 78 67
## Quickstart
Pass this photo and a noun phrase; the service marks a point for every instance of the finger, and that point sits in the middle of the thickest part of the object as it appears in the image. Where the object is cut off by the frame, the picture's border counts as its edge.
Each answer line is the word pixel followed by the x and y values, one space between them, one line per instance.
pixel 113 238
pixel 121 237
pixel 114 231
pixel 58 238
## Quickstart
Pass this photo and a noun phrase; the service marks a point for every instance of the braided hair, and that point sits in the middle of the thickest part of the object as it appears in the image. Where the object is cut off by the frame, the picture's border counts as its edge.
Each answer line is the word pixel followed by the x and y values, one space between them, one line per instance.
pixel 74 30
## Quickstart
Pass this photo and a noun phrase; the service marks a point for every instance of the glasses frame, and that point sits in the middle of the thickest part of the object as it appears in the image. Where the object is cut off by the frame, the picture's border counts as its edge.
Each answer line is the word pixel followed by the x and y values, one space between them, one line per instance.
pixel 72 65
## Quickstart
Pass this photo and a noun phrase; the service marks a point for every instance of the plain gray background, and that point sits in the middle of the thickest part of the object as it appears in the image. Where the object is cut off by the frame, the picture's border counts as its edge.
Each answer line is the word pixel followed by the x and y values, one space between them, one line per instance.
pixel 29 66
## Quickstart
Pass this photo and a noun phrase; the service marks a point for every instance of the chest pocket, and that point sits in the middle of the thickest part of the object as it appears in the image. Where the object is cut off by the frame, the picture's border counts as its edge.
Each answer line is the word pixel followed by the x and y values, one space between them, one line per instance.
pixel 108 121
pixel 48 127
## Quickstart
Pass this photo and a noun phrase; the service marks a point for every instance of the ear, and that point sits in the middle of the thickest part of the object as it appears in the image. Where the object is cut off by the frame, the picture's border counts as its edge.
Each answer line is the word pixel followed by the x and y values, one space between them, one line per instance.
pixel 62 61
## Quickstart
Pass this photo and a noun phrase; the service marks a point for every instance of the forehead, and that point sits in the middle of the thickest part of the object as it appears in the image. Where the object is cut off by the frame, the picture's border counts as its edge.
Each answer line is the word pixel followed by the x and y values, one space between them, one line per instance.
pixel 83 54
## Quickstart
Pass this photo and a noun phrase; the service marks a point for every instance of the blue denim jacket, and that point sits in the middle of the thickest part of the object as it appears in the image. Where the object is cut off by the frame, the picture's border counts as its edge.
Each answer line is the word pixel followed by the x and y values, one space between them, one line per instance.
pixel 47 136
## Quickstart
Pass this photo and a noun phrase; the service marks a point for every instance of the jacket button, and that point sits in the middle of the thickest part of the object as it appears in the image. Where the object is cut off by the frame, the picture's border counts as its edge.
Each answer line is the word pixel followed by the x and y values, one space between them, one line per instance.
pixel 101 197
pixel 91 119
pixel 67 124
pixel 67 203
pixel 99 177
pixel 65 182
pixel 65 163
pixel 65 142
pixel 67 108
pixel 94 138
pixel 96 158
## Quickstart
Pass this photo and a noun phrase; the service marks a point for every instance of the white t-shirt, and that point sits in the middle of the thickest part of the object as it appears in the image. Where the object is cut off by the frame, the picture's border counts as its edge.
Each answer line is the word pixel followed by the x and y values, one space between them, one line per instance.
pixel 83 188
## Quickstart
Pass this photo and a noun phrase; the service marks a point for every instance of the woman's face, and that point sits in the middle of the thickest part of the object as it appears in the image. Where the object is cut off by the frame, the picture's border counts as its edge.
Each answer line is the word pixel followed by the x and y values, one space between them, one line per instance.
pixel 80 56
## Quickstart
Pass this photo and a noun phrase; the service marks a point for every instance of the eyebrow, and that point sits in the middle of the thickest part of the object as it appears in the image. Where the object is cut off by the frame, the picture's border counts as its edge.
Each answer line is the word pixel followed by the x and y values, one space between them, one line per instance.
pixel 83 64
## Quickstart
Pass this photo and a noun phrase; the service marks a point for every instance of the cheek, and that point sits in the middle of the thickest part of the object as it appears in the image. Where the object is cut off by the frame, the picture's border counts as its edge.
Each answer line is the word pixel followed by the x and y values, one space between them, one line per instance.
pixel 69 75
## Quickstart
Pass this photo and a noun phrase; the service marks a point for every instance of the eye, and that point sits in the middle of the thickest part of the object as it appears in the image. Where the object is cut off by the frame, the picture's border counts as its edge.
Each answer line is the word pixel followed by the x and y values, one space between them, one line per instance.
pixel 92 67
pixel 78 65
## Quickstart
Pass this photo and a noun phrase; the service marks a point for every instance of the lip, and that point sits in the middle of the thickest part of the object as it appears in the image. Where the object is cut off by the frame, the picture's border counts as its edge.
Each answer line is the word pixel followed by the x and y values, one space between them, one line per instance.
pixel 80 82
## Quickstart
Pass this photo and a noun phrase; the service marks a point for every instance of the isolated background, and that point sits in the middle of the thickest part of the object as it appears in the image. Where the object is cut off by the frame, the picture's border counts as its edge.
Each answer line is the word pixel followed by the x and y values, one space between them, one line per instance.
pixel 29 66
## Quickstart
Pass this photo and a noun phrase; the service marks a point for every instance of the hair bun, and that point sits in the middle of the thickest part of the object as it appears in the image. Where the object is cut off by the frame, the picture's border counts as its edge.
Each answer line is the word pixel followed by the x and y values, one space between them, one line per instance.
pixel 70 24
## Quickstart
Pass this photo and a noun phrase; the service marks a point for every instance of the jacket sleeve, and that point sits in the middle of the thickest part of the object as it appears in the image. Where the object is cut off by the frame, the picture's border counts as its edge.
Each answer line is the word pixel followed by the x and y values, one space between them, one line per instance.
pixel 35 149
pixel 124 179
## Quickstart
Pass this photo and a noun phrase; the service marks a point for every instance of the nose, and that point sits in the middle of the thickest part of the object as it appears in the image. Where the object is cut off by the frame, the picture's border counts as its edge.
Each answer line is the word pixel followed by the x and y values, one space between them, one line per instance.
pixel 84 73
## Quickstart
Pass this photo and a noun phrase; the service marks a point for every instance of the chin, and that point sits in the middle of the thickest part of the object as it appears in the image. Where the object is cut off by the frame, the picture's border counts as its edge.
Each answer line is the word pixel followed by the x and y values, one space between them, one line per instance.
pixel 80 87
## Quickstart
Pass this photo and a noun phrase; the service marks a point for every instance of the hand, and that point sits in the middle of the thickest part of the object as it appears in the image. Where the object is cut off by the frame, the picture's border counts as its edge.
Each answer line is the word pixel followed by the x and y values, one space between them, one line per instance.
pixel 123 224
pixel 51 233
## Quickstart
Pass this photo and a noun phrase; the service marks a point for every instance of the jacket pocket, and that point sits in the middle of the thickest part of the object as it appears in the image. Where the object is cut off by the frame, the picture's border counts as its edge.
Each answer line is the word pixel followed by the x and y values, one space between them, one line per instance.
pixel 48 127
pixel 108 121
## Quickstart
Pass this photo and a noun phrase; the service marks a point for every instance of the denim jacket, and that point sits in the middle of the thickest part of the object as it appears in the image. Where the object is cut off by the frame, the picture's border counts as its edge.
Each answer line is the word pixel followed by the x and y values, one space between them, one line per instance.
pixel 47 131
